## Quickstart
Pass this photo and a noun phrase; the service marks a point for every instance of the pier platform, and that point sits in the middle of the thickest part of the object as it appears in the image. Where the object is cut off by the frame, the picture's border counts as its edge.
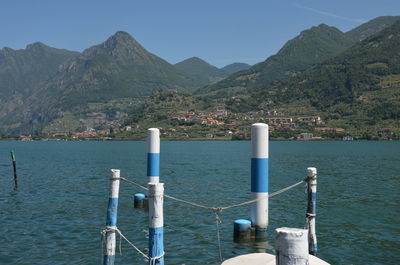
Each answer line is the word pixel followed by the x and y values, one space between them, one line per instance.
pixel 264 259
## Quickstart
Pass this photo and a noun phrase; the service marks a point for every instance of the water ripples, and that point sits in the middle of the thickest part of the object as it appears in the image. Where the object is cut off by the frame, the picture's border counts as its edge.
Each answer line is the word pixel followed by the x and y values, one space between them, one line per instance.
pixel 56 215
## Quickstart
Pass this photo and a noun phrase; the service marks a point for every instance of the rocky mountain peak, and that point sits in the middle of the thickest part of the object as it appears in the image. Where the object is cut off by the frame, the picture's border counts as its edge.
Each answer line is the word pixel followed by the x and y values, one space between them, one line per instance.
pixel 36 46
pixel 123 44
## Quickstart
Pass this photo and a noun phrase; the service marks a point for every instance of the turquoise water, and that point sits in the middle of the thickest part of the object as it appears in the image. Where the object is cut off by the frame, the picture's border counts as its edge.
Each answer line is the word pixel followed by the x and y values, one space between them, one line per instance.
pixel 57 213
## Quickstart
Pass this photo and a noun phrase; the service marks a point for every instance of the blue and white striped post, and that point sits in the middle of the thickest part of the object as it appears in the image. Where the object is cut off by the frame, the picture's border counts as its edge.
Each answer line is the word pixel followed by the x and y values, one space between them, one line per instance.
pixel 311 209
pixel 153 155
pixel 156 223
pixel 259 177
pixel 111 223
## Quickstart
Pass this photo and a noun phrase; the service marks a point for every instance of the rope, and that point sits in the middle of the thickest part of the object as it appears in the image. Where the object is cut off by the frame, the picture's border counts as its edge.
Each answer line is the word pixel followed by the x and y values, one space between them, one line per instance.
pixel 134 183
pixel 115 229
pixel 171 197
pixel 219 208
pixel 216 210
pixel 218 221
pixel 153 260
pixel 102 246
pixel 193 203
pixel 287 188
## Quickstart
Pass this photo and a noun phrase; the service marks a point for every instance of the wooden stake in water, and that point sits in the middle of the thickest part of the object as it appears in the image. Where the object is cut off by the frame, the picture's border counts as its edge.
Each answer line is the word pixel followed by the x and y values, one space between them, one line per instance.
pixel 14 162
pixel 311 209
pixel 111 223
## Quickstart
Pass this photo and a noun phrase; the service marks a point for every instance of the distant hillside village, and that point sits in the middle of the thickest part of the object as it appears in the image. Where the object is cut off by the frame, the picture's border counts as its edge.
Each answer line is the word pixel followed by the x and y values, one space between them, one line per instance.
pixel 219 124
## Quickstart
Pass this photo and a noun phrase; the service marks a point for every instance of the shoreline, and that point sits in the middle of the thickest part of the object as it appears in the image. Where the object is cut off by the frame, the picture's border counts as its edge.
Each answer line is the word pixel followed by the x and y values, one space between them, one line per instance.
pixel 196 140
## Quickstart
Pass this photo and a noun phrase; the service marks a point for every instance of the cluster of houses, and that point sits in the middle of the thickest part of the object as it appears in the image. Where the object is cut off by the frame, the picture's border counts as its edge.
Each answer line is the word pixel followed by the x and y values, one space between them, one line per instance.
pixel 220 117
pixel 218 123
pixel 203 117
pixel 310 136
pixel 227 123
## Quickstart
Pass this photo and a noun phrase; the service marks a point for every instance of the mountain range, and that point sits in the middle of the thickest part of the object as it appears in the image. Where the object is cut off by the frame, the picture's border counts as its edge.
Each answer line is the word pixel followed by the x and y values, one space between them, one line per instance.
pixel 205 73
pixel 359 87
pixel 358 90
pixel 306 50
pixel 43 89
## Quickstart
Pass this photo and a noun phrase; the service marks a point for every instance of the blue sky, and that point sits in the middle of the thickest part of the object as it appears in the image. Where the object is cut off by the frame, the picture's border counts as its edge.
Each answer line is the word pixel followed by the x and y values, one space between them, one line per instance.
pixel 218 31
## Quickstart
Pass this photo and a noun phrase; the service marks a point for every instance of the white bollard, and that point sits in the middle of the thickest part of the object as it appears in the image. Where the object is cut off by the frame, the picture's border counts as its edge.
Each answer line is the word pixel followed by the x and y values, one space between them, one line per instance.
pixel 259 175
pixel 153 155
pixel 156 223
pixel 311 209
pixel 291 246
pixel 111 222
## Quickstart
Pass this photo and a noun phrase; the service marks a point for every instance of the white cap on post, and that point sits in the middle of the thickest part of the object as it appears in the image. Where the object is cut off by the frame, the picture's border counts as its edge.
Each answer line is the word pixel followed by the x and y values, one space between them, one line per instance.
pixel 259 140
pixel 153 140
pixel 291 246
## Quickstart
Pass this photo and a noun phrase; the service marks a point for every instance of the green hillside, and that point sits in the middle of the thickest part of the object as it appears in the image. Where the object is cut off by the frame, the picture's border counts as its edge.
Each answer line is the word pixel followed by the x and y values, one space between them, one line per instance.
pixel 235 67
pixel 357 92
pixel 323 72
pixel 21 70
pixel 201 71
pixel 371 27
pixel 118 69
pixel 309 48
pixel 358 89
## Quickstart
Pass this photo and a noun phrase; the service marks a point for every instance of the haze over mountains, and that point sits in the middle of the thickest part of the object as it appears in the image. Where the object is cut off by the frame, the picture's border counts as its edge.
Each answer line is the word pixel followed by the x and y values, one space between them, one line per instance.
pixel 43 89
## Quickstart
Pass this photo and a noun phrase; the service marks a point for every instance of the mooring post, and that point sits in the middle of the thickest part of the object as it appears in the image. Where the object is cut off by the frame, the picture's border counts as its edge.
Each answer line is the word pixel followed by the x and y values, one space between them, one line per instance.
pixel 139 200
pixel 241 230
pixel 311 209
pixel 259 178
pixel 111 222
pixel 14 162
pixel 153 155
pixel 291 246
pixel 156 223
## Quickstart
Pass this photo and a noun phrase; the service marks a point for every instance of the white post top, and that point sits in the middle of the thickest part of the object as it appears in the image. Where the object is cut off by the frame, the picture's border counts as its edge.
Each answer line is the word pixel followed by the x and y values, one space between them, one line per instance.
pixel 153 140
pixel 259 140
pixel 115 173
pixel 297 232
pixel 114 183
pixel 311 171
pixel 260 124
pixel 291 246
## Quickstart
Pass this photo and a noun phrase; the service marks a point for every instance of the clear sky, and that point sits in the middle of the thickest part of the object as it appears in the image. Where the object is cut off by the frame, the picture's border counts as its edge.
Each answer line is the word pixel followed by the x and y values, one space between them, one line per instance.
pixel 218 31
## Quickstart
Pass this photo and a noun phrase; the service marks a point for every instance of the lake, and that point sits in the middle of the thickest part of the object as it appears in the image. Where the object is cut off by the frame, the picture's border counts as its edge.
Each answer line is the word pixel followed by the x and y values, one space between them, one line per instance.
pixel 56 215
